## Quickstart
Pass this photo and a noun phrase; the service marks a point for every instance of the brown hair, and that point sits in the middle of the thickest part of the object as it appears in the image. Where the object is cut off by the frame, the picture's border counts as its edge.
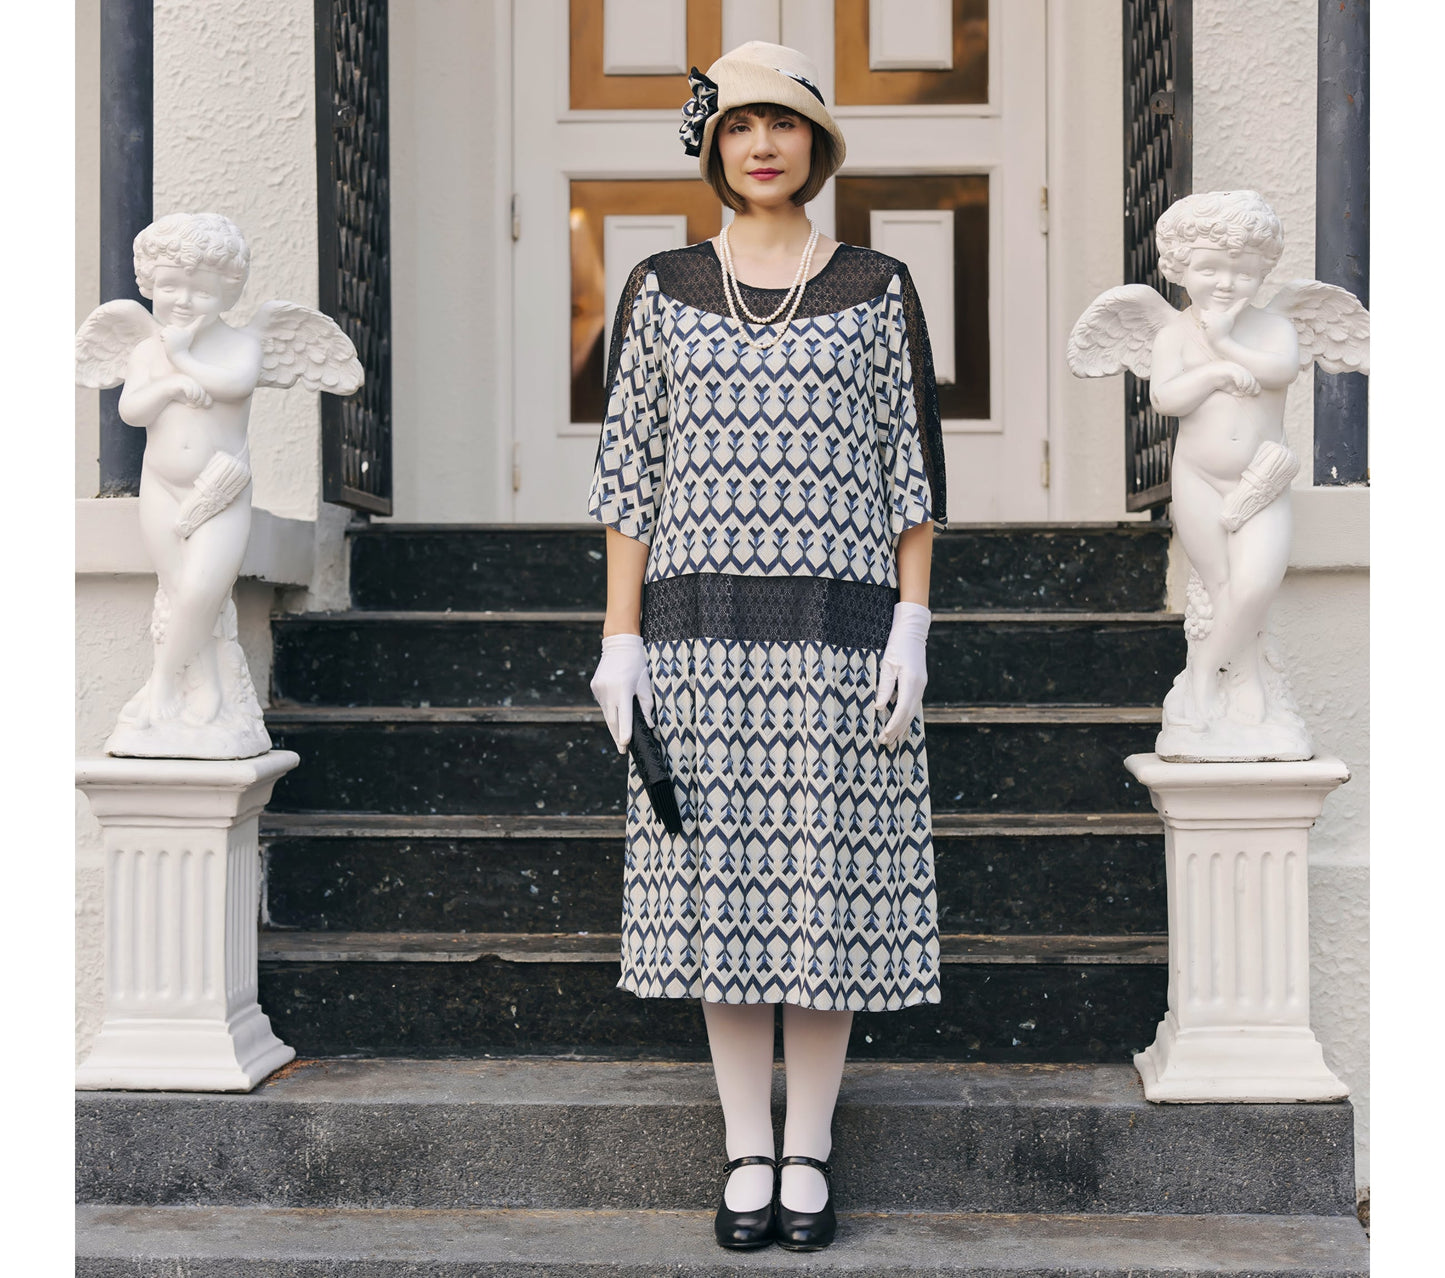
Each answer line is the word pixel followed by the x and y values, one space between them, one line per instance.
pixel 820 159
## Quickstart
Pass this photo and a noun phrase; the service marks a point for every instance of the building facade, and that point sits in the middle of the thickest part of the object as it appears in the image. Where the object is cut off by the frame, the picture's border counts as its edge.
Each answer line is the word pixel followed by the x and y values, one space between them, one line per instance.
pixel 531 157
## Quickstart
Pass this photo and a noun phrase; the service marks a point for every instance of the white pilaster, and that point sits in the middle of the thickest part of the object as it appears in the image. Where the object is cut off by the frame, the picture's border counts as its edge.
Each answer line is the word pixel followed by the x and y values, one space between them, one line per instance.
pixel 182 895
pixel 1236 841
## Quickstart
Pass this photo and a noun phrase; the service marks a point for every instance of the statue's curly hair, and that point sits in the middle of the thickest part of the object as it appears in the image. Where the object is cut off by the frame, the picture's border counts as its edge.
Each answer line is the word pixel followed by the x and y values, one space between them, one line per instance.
pixel 192 240
pixel 1220 219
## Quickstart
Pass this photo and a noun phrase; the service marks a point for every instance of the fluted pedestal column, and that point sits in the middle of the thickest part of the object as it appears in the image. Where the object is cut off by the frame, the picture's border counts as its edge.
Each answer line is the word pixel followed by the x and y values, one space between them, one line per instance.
pixel 1236 846
pixel 182 896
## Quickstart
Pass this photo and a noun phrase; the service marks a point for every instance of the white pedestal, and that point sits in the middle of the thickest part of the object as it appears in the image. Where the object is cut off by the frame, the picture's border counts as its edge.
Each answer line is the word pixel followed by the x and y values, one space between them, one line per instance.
pixel 182 896
pixel 1236 850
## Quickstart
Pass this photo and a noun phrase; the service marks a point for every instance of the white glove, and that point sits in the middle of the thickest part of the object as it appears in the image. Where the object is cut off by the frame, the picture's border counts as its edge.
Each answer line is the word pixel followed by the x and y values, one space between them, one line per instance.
pixel 903 665
pixel 621 673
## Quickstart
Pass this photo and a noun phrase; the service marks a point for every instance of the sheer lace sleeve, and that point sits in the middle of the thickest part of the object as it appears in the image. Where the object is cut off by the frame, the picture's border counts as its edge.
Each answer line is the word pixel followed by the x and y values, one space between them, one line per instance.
pixel 631 447
pixel 925 398
pixel 912 480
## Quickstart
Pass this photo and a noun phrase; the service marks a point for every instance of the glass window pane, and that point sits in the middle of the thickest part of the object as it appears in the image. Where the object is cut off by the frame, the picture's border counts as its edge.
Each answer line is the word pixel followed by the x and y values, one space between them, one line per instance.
pixel 966 194
pixel 591 202
pixel 592 90
pixel 967 82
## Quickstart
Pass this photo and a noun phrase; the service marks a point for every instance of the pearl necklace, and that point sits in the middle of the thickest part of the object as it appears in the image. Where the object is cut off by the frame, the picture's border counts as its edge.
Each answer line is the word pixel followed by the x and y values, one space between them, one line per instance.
pixel 792 299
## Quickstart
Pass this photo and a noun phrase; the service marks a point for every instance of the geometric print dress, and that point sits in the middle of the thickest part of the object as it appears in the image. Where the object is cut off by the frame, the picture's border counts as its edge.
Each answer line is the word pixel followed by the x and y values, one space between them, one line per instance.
pixel 771 488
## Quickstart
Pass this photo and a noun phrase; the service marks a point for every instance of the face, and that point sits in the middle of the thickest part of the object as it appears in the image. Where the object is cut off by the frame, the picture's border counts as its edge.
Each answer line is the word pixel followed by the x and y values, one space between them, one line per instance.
pixel 181 294
pixel 766 161
pixel 1217 279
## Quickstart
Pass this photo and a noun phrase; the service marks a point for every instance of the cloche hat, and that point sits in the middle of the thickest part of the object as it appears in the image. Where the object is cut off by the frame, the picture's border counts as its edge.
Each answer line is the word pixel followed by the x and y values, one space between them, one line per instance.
pixel 754 72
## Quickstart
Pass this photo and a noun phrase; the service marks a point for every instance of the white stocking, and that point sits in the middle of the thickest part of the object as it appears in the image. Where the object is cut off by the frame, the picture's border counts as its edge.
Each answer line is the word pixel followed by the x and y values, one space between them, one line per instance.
pixel 814 1046
pixel 741 1038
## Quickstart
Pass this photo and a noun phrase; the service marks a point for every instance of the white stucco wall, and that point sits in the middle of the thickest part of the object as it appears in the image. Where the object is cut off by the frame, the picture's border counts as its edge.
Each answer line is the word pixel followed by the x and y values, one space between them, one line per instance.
pixel 450 193
pixel 1254 127
pixel 235 133
pixel 1322 621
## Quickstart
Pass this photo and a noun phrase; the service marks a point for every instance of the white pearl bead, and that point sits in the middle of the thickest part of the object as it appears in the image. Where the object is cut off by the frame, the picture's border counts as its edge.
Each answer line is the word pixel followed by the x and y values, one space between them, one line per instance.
pixel 792 299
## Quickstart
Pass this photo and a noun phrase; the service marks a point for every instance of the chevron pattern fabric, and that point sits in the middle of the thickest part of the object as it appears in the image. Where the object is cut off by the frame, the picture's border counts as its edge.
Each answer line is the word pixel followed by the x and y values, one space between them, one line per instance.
pixel 804 872
pixel 803 459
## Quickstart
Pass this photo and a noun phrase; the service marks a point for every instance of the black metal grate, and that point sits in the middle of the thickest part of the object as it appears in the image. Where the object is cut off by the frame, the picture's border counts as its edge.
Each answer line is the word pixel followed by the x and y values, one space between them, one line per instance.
pixel 355 244
pixel 1158 128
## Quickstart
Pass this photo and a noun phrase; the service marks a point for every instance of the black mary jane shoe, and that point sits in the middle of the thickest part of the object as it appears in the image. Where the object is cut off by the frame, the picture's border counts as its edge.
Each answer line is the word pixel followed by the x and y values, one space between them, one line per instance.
pixel 744 1230
pixel 806 1230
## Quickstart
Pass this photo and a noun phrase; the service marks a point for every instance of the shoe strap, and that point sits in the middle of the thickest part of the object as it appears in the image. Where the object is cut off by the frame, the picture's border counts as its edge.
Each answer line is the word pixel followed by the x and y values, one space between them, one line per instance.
pixel 748 1161
pixel 806 1161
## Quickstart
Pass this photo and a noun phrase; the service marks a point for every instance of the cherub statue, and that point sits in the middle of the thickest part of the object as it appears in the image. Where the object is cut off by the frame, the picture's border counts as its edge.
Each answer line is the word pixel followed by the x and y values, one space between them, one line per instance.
pixel 188 380
pixel 1222 366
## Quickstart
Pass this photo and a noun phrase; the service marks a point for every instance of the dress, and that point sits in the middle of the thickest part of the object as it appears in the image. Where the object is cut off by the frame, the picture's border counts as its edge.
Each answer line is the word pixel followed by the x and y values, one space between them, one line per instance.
pixel 771 488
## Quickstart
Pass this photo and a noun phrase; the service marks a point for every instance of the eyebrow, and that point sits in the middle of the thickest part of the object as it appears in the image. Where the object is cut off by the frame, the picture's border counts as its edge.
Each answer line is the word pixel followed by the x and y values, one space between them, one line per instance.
pixel 782 113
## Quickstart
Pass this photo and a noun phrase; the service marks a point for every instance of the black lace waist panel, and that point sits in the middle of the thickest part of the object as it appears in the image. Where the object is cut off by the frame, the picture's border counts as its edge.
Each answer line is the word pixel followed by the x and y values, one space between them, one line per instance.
pixel 847 614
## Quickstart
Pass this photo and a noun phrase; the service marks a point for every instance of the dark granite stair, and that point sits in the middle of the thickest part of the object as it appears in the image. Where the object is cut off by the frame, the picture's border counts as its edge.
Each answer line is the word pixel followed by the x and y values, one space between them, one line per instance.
pixel 561 760
pixel 547 658
pixel 1001 874
pixel 1014 567
pixel 459 786
pixel 418 994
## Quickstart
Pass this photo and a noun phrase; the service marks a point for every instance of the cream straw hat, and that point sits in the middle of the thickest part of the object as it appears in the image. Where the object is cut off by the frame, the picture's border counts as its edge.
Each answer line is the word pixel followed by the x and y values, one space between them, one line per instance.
pixel 754 72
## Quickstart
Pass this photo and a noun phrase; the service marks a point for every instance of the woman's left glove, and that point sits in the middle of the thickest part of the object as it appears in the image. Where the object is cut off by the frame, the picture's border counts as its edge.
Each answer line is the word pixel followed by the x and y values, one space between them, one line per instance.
pixel 904 666
pixel 621 673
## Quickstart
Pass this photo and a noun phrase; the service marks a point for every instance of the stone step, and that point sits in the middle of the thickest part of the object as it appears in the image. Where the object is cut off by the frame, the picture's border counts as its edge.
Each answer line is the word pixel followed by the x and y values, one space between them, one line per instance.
pixel 548 658
pixel 561 761
pixel 602 947
pixel 996 873
pixel 570 1135
pixel 1059 999
pixel 256 1242
pixel 1077 567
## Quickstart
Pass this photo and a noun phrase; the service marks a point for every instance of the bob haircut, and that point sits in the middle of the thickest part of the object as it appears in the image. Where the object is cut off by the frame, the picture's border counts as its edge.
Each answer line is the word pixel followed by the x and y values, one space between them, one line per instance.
pixel 820 159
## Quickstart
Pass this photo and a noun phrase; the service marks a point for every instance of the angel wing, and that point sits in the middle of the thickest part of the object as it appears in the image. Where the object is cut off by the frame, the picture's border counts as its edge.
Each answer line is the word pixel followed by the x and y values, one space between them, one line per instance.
pixel 1333 327
pixel 300 344
pixel 106 339
pixel 1118 331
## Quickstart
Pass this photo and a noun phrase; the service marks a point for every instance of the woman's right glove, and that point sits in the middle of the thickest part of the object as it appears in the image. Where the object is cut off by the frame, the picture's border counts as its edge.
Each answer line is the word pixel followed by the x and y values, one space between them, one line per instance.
pixel 904 667
pixel 621 674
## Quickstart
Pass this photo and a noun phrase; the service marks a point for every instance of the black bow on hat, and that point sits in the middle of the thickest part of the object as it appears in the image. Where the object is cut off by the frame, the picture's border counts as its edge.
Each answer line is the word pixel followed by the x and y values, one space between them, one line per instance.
pixel 697 111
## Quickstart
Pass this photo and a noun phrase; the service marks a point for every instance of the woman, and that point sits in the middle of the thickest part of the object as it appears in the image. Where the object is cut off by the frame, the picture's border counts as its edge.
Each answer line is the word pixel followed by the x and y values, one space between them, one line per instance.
pixel 770 468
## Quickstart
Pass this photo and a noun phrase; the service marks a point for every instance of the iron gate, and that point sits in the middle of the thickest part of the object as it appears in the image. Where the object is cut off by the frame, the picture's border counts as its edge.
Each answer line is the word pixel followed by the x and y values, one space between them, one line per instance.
pixel 1158 132
pixel 355 244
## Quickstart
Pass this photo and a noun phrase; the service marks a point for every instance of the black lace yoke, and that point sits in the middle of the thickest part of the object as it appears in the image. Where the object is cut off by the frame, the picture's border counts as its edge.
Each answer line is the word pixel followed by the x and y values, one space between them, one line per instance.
pixel 852 276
